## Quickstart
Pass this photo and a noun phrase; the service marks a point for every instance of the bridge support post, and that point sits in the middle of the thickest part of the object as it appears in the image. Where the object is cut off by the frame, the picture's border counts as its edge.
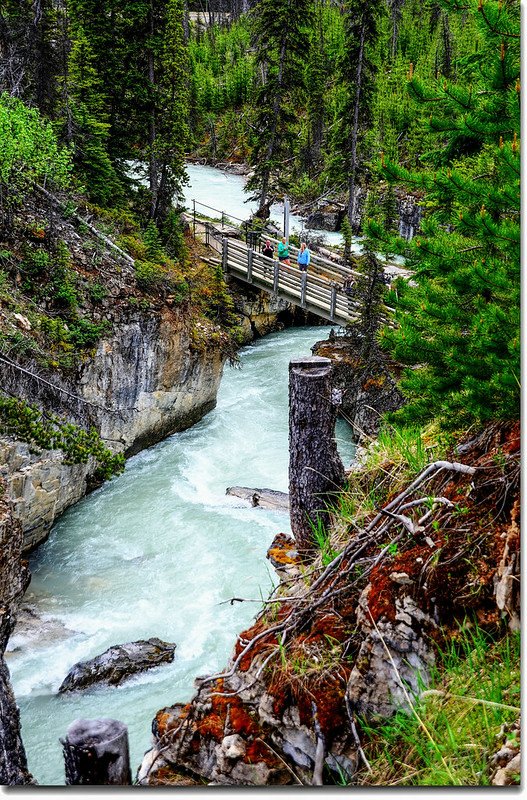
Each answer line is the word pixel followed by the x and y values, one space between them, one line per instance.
pixel 225 254
pixel 276 278
pixel 303 289
pixel 316 471
pixel 333 301
pixel 250 265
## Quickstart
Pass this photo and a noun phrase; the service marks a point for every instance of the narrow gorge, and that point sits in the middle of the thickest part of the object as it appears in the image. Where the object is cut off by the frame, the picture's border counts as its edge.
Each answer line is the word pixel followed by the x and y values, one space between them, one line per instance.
pixel 260 384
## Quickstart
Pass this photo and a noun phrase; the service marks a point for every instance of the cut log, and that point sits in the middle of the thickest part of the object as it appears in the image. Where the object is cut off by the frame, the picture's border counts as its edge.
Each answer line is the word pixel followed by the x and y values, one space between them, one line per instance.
pixel 316 471
pixel 96 753
pixel 264 498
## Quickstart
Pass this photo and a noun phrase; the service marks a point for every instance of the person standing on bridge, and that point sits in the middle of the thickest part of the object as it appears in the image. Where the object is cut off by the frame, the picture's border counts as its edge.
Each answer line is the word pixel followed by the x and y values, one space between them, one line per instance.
pixel 304 257
pixel 283 252
pixel 268 249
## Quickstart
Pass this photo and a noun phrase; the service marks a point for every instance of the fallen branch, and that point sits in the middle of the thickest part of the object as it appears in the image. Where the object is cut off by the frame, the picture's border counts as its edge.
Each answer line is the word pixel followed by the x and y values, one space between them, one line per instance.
pixel 351 719
pixel 107 241
pixel 320 752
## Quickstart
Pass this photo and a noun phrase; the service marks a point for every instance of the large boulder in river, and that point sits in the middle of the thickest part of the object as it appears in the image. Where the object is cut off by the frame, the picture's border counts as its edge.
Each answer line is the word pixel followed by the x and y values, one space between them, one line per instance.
pixel 118 663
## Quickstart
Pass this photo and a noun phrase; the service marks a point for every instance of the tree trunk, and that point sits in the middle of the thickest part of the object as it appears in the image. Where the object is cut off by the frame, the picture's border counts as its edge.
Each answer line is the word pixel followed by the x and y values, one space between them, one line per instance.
pixel 96 753
pixel 152 164
pixel 354 137
pixel 315 469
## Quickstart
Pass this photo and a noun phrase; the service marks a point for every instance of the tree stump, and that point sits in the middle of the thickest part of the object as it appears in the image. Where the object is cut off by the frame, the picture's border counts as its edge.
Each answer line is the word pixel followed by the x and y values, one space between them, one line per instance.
pixel 315 469
pixel 96 753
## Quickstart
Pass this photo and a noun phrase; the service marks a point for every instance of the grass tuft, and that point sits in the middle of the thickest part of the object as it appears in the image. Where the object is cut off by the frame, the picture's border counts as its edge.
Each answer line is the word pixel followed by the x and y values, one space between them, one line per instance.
pixel 475 693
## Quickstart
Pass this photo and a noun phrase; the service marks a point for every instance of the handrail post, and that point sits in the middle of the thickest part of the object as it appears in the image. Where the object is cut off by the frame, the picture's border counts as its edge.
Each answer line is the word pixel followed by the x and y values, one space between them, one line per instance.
pixel 250 266
pixel 303 289
pixel 194 219
pixel 207 234
pixel 276 277
pixel 225 254
pixel 333 301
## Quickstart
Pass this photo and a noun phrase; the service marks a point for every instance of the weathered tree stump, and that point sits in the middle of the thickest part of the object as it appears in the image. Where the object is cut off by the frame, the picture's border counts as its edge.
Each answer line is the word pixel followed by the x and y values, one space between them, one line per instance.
pixel 96 753
pixel 315 469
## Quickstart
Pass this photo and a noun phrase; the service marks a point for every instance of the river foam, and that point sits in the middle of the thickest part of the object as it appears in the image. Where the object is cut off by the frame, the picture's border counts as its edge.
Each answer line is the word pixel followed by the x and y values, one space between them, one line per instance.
pixel 157 552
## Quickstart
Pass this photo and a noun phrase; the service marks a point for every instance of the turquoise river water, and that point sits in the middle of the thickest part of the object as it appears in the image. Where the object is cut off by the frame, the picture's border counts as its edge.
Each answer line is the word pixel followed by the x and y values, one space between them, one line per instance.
pixel 155 552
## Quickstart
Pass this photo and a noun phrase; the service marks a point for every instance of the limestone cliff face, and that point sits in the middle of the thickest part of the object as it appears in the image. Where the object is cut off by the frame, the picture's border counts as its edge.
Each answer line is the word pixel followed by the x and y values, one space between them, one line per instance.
pixel 145 381
pixel 259 313
pixel 40 486
pixel 13 579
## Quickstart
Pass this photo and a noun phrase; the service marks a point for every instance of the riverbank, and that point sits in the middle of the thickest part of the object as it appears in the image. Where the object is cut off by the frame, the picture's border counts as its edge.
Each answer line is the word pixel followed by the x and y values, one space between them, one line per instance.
pixel 384 617
pixel 168 509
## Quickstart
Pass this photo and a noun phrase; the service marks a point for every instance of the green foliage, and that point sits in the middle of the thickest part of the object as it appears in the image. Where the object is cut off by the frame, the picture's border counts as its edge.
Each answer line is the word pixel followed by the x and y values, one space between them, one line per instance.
pixel 391 461
pixel 86 125
pixel 281 40
pixel 97 292
pixel 64 279
pixel 172 95
pixel 29 154
pixel 322 539
pixel 161 280
pixel 19 419
pixel 173 238
pixel 458 319
pixel 152 240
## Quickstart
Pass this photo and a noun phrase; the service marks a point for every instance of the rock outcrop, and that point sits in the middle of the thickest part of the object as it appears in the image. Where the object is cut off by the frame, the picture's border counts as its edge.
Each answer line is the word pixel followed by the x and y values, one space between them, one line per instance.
pixel 328 216
pixel 118 663
pixel 355 638
pixel 259 312
pixel 13 581
pixel 506 762
pixel 40 485
pixel 369 388
pixel 145 381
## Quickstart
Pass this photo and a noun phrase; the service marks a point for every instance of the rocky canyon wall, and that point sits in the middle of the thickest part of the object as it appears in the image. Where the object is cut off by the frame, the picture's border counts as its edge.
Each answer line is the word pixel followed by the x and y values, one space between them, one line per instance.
pixel 145 381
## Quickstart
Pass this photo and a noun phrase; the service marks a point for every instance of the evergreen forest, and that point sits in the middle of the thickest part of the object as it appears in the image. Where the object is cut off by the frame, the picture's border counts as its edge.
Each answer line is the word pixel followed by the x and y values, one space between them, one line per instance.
pixel 320 99
pixel 344 107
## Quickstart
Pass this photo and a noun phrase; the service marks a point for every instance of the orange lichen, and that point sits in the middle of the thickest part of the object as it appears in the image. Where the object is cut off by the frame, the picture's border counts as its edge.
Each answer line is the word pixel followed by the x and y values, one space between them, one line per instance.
pixel 374 382
pixel 283 550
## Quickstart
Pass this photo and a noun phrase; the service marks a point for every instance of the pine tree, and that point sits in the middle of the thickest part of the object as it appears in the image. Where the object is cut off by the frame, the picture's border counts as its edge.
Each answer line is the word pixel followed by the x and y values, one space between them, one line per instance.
pixel 173 132
pixel 358 70
pixel 458 328
pixel 316 87
pixel 281 38
pixel 87 129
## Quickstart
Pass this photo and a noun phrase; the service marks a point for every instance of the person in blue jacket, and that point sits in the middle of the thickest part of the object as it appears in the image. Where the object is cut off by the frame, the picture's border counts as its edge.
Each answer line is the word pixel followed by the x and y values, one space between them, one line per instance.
pixel 303 257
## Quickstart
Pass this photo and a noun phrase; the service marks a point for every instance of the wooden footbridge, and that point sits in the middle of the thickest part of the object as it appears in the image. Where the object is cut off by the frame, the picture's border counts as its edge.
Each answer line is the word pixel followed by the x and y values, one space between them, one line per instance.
pixel 326 289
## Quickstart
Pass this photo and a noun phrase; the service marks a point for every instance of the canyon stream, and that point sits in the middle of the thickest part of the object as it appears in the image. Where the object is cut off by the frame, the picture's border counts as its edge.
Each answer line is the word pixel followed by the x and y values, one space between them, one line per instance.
pixel 156 552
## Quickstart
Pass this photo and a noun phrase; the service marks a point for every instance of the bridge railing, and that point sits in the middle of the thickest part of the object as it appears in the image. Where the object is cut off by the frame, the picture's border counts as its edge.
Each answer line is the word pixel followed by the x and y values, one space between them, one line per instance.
pixel 325 289
pixel 310 290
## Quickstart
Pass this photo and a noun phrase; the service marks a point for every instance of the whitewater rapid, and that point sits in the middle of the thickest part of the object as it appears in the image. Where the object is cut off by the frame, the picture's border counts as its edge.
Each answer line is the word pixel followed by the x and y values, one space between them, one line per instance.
pixel 158 551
